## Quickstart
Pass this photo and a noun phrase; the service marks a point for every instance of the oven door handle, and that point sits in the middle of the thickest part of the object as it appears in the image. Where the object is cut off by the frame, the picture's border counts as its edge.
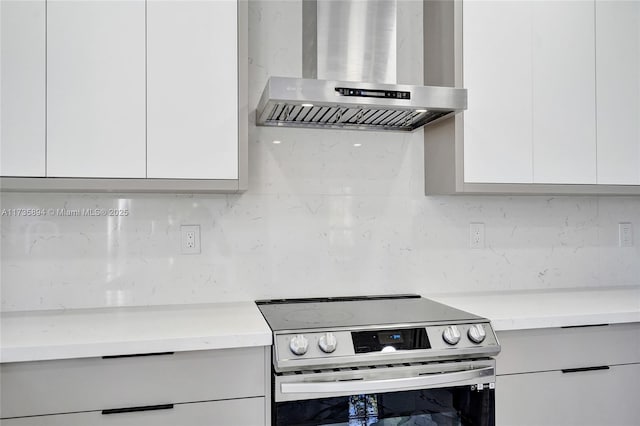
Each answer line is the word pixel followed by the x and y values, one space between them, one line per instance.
pixel 457 378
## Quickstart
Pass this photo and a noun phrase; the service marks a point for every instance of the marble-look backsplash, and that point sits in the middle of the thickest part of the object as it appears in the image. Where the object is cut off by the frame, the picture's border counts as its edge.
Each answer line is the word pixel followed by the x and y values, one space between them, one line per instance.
pixel 321 217
pixel 260 245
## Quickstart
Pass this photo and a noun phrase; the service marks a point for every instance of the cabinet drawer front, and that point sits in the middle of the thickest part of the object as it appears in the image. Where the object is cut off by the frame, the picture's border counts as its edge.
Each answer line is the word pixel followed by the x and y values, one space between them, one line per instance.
pixel 237 412
pixel 64 386
pixel 600 397
pixel 557 348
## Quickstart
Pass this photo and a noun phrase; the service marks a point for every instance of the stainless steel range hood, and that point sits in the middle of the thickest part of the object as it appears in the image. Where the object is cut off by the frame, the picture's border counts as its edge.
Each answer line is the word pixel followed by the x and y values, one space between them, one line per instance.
pixel 349 65
pixel 298 102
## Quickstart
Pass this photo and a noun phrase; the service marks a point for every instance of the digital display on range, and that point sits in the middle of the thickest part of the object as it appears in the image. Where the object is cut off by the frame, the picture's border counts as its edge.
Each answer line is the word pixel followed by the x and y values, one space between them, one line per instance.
pixel 390 338
pixel 401 339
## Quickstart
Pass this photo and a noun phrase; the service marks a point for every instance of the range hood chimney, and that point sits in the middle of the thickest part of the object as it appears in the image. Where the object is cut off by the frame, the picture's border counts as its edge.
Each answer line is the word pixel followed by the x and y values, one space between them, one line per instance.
pixel 349 75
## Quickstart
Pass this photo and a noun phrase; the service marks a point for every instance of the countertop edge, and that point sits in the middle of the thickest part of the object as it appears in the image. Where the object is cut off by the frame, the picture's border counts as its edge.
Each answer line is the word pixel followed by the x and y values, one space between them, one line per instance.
pixel 96 350
pixel 505 324
pixel 94 333
pixel 552 308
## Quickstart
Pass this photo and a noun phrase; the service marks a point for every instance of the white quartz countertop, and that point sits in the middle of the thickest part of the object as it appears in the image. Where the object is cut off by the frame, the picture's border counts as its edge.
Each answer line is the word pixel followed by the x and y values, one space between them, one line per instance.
pixel 79 333
pixel 520 310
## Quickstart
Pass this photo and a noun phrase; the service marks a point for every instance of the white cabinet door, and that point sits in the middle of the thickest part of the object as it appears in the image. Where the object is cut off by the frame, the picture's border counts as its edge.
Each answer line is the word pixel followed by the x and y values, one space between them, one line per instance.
pixel 96 88
pixel 22 88
pixel 236 412
pixel 601 397
pixel 563 57
pixel 192 107
pixel 618 90
pixel 529 69
pixel 497 74
pixel 32 388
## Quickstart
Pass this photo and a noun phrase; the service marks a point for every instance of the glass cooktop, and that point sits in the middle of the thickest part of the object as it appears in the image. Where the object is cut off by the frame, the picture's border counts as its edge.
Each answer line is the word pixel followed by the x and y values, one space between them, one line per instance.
pixel 358 311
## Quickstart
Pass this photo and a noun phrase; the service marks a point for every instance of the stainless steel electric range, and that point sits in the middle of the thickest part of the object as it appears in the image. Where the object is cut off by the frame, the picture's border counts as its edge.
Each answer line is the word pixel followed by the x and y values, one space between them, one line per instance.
pixel 379 360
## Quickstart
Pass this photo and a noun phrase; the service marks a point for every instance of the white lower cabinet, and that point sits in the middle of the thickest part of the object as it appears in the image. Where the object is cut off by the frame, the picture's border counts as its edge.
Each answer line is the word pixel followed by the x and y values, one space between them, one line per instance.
pixel 595 397
pixel 569 376
pixel 237 412
pixel 193 388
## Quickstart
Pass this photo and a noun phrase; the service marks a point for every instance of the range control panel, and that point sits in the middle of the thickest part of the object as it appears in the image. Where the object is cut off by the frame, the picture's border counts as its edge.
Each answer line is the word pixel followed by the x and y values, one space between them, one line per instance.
pixel 377 340
pixel 423 343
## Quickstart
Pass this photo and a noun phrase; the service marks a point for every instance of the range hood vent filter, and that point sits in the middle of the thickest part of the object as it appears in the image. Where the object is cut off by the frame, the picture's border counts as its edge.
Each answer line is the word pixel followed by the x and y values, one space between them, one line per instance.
pixel 292 115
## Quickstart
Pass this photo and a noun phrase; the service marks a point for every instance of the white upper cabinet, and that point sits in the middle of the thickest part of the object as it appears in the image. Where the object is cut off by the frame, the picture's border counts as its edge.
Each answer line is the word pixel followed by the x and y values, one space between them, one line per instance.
pixel 96 88
pixel 126 95
pixel 553 96
pixel 563 87
pixel 22 88
pixel 497 74
pixel 618 91
pixel 192 98
pixel 528 67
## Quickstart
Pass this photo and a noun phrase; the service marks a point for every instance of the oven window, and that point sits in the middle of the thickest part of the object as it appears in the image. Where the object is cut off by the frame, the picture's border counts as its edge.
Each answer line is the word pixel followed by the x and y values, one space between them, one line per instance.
pixel 457 406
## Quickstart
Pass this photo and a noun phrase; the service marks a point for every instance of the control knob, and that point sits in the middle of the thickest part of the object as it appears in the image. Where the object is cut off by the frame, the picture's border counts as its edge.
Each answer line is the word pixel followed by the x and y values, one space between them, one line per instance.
pixel 451 335
pixel 299 344
pixel 328 343
pixel 476 333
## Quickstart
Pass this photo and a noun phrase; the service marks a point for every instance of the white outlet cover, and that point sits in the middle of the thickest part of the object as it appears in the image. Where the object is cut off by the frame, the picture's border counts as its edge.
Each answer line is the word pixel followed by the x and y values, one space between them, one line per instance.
pixel 190 239
pixel 476 235
pixel 625 230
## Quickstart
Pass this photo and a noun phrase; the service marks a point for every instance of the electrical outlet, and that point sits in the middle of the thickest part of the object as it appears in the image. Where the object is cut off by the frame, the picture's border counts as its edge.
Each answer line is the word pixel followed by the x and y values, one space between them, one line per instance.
pixel 476 235
pixel 625 230
pixel 190 239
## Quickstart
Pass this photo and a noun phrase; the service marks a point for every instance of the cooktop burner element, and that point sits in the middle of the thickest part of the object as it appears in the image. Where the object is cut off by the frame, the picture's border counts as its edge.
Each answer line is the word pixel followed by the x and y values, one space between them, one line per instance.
pixel 369 330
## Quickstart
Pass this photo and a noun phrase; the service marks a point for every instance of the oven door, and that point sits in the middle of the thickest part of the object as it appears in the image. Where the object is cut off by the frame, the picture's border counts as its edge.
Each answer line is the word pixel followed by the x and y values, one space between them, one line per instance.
pixel 456 393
